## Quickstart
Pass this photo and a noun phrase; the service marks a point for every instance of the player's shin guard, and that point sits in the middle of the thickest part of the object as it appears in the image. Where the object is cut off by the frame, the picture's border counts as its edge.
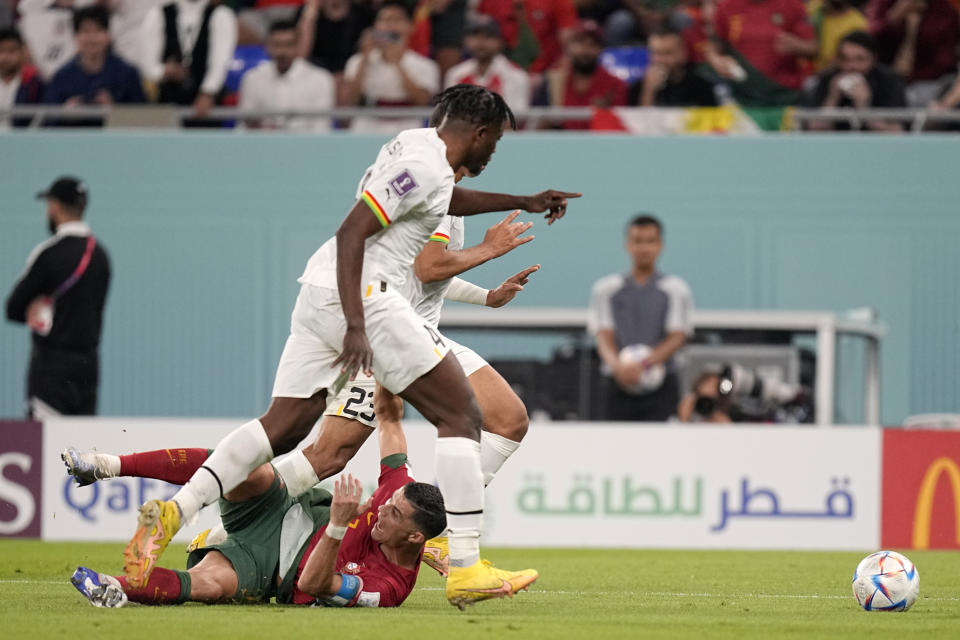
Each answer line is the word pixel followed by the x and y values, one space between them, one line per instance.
pixel 165 586
pixel 461 483
pixel 242 451
pixel 297 473
pixel 494 451
pixel 170 465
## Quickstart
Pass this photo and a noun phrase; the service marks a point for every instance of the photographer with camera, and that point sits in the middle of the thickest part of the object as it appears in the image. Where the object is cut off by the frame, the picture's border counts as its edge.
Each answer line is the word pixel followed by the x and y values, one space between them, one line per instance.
pixel 730 392
pixel 640 319
pixel 387 73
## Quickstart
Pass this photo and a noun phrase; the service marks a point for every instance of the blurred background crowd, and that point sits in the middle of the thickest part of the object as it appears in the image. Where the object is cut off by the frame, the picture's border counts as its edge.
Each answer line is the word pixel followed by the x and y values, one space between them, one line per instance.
pixel 298 55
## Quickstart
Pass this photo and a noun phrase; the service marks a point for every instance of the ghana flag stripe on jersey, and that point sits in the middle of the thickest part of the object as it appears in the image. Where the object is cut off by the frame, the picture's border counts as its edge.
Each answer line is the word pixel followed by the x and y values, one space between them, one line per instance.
pixel 440 237
pixel 376 208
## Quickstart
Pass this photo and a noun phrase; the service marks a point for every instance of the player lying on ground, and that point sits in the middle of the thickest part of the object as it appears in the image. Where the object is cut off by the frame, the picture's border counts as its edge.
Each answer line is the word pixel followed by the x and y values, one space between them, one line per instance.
pixel 320 549
pixel 351 313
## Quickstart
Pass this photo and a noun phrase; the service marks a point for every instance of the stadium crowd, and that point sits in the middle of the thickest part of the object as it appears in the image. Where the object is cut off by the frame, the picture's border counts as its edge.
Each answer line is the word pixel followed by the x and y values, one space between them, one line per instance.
pixel 316 54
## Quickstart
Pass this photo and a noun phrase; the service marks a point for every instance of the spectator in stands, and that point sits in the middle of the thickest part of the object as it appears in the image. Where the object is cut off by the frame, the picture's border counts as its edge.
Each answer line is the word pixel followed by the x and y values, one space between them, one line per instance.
pixel 764 49
pixel 287 82
pixel 387 73
pixel 95 75
pixel 581 81
pixel 918 39
pixel 950 98
pixel 19 83
pixel 254 17
pixel 188 46
pixel 60 297
pixel 642 306
pixel 858 81
pixel 126 20
pixel 438 30
pixel 488 67
pixel 47 29
pixel 329 32
pixel 832 20
pixel 693 19
pixel 635 21
pixel 550 22
pixel 670 79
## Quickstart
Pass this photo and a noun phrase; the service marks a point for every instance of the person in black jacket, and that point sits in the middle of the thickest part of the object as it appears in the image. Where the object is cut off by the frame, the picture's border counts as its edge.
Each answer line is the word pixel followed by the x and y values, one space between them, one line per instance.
pixel 61 296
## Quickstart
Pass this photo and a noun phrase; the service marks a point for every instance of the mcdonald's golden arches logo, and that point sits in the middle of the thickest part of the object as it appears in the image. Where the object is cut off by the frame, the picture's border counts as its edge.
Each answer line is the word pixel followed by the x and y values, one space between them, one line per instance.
pixel 923 514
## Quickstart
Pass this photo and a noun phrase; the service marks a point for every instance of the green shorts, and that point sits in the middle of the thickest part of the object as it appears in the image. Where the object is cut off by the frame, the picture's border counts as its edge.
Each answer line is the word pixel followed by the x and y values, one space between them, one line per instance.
pixel 253 541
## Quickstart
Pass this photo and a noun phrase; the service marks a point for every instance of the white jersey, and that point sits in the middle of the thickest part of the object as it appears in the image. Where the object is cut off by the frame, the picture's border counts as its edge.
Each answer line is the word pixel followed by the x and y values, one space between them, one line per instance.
pixel 427 298
pixel 408 189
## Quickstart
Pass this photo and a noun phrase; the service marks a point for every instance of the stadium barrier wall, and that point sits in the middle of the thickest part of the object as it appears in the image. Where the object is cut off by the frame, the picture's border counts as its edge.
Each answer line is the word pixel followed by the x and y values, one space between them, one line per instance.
pixel 579 485
pixel 208 233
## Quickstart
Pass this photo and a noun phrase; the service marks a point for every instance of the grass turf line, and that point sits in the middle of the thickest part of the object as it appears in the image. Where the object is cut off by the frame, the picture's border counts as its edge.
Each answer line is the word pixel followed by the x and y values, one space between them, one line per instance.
pixel 581 594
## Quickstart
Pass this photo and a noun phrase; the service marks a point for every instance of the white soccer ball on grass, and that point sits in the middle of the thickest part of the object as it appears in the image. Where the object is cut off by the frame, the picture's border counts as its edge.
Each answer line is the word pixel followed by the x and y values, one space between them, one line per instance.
pixel 886 581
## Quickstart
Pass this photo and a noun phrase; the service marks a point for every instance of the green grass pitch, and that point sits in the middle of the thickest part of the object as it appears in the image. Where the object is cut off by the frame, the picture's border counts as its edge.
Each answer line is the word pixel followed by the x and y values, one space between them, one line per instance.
pixel 594 594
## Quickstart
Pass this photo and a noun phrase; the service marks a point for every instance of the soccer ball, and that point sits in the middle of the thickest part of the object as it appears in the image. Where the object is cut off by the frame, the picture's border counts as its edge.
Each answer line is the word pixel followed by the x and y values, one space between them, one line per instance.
pixel 886 581
pixel 651 378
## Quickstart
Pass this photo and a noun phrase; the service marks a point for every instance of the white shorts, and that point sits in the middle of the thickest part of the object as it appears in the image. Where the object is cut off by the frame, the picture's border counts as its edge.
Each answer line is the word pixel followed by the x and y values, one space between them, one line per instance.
pixel 469 360
pixel 355 401
pixel 404 345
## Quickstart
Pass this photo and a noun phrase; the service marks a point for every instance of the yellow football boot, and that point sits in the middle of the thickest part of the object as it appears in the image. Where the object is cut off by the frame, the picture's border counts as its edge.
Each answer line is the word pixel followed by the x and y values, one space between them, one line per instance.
pixel 483 581
pixel 157 523
pixel 436 555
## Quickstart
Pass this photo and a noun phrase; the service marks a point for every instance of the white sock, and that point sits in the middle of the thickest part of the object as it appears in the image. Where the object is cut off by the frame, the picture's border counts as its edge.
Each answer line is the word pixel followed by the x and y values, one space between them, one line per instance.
pixel 297 473
pixel 242 451
pixel 494 451
pixel 109 464
pixel 461 483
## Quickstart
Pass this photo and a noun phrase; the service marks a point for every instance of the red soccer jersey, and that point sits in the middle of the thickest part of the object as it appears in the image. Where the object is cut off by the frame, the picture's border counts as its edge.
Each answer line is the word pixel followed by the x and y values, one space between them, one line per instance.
pixel 605 90
pixel 383 584
pixel 752 27
pixel 546 19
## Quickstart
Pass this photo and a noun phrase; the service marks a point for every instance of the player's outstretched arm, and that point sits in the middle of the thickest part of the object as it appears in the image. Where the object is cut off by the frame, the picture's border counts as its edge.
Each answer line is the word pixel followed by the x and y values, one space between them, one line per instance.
pixel 463 291
pixel 359 225
pixel 467 202
pixel 437 262
pixel 319 577
pixel 389 411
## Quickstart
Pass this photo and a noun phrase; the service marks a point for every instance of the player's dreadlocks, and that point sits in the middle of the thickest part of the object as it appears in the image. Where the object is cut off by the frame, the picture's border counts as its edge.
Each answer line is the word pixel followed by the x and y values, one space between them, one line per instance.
pixel 472 104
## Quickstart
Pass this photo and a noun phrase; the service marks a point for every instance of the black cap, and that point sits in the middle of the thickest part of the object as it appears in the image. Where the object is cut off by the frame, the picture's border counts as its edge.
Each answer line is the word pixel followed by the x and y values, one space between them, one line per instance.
pixel 487 25
pixel 68 190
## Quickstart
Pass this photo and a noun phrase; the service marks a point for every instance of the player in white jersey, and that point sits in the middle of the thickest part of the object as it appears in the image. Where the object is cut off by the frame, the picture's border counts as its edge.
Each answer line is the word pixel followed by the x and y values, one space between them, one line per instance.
pixel 350 312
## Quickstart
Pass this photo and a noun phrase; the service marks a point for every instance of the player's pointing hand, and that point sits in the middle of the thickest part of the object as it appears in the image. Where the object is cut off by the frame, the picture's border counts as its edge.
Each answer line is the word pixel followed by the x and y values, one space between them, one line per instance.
pixel 510 287
pixel 552 201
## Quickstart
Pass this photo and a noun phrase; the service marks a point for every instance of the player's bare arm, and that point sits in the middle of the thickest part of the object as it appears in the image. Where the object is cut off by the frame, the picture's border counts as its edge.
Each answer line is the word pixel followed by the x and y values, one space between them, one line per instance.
pixel 438 262
pixel 359 225
pixel 466 202
pixel 513 285
pixel 319 577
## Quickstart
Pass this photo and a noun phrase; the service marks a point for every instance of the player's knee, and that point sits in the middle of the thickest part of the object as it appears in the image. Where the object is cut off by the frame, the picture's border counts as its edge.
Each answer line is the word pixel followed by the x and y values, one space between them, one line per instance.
pixel 509 420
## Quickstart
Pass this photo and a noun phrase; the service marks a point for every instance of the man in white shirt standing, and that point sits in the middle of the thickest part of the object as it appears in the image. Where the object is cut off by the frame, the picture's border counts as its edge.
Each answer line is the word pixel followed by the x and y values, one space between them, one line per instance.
pixel 488 67
pixel 387 73
pixel 287 82
pixel 187 49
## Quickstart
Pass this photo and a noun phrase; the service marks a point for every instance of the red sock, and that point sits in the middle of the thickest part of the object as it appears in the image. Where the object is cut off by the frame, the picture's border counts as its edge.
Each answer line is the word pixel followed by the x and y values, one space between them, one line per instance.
pixel 171 465
pixel 165 586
